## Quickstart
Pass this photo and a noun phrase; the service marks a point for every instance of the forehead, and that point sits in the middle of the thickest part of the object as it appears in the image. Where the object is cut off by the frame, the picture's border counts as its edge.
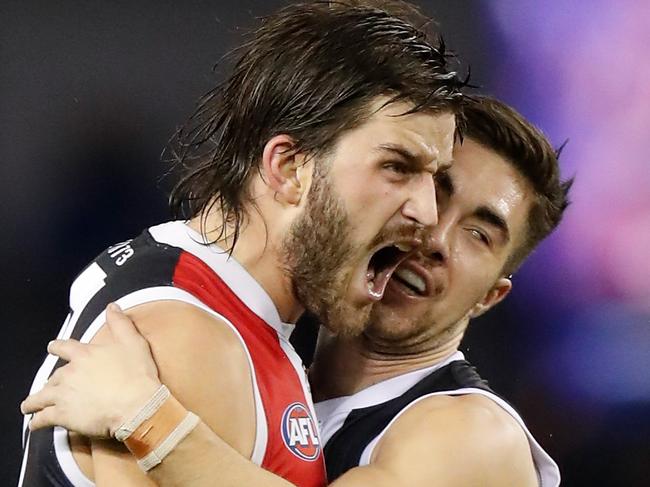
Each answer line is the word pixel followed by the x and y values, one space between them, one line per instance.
pixel 483 177
pixel 429 134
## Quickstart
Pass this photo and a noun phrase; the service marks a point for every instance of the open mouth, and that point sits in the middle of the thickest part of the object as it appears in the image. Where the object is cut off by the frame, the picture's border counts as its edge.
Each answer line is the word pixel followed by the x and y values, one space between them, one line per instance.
pixel 382 265
pixel 411 282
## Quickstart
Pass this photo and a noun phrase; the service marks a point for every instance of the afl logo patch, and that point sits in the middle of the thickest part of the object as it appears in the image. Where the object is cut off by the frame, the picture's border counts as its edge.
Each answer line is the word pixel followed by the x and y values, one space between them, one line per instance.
pixel 299 432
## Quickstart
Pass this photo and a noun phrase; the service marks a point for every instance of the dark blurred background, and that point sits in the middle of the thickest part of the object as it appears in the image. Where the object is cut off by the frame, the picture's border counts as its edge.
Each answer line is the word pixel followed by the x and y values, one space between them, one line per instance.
pixel 91 91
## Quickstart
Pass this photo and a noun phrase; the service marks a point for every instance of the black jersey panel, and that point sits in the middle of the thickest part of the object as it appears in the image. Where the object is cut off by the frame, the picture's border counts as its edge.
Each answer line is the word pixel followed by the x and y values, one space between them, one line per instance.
pixel 43 468
pixel 130 266
pixel 151 264
pixel 344 449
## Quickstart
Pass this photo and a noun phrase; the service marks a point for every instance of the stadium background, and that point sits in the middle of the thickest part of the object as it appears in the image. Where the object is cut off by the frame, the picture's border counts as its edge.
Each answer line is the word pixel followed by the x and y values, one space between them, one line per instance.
pixel 91 91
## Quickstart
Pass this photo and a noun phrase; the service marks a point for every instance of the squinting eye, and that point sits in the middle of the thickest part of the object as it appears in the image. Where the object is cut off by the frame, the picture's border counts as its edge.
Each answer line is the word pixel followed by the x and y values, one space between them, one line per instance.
pixel 397 167
pixel 479 236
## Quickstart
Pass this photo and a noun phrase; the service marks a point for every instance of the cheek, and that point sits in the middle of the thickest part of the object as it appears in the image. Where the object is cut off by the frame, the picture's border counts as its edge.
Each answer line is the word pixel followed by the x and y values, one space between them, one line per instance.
pixel 372 205
pixel 370 190
pixel 470 273
pixel 472 284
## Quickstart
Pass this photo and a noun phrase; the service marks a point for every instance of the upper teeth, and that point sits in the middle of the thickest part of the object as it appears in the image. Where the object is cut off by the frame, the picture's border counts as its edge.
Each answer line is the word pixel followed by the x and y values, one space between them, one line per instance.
pixel 404 247
pixel 412 279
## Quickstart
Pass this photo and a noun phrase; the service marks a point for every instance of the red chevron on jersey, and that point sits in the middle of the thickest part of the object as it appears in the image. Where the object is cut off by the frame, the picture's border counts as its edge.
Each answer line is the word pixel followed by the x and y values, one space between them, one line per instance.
pixel 297 458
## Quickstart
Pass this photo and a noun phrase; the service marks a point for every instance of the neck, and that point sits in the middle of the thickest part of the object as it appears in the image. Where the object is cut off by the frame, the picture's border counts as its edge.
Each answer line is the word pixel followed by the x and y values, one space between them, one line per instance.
pixel 259 255
pixel 343 366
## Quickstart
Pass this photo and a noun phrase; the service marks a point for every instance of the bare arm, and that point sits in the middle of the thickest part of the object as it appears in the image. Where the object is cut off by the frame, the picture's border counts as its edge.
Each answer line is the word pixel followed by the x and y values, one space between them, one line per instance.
pixel 200 360
pixel 215 384
pixel 449 441
pixel 443 441
pixel 203 459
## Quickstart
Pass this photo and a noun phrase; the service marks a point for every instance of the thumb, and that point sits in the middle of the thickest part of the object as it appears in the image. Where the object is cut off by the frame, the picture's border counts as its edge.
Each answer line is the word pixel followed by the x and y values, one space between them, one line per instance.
pixel 120 325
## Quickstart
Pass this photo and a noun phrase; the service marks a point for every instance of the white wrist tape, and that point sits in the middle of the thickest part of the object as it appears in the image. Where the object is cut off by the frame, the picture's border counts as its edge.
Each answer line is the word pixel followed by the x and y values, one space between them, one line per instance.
pixel 168 444
pixel 160 396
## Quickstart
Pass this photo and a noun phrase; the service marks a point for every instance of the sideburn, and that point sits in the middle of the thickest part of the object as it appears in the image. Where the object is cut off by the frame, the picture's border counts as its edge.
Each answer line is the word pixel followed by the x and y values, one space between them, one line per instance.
pixel 318 248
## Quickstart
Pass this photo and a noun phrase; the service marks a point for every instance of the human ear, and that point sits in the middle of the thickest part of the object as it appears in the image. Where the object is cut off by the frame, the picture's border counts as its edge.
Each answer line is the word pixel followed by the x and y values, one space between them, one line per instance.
pixel 497 293
pixel 283 170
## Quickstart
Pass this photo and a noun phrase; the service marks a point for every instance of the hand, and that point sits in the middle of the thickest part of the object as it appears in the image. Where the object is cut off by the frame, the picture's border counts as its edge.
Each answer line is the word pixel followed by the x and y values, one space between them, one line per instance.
pixel 102 386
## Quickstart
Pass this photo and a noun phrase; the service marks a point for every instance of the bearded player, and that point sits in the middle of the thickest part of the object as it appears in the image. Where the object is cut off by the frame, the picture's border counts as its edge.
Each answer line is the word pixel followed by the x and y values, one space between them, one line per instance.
pixel 309 175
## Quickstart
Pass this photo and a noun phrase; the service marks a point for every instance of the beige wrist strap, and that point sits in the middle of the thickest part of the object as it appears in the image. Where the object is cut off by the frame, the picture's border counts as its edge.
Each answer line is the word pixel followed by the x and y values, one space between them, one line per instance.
pixel 157 428
pixel 148 410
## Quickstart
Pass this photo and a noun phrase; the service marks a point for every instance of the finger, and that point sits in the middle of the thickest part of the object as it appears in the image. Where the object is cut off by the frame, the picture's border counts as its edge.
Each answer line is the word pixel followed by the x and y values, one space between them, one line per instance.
pixel 45 418
pixel 39 400
pixel 55 378
pixel 66 349
pixel 121 326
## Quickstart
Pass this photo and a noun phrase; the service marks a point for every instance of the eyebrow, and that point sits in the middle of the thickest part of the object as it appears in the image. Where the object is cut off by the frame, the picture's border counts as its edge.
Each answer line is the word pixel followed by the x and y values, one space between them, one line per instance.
pixel 401 151
pixel 445 181
pixel 444 166
pixel 410 157
pixel 492 217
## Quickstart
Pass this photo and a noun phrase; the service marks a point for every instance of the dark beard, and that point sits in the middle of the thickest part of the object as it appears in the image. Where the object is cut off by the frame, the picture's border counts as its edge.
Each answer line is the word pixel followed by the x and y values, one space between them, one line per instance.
pixel 318 254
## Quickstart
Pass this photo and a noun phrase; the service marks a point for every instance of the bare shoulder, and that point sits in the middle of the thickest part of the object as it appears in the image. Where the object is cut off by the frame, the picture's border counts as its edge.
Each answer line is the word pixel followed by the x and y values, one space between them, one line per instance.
pixel 461 440
pixel 478 416
pixel 181 325
pixel 183 335
pixel 202 361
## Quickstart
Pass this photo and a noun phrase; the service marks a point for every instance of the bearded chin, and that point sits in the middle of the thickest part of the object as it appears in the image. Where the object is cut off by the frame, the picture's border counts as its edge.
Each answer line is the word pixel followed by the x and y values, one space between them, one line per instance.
pixel 348 321
pixel 333 311
pixel 323 294
pixel 319 257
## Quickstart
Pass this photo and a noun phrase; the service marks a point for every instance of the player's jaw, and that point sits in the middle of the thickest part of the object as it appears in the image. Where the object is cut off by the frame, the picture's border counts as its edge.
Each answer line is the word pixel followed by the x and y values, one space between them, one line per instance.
pixel 415 306
pixel 362 280
pixel 336 275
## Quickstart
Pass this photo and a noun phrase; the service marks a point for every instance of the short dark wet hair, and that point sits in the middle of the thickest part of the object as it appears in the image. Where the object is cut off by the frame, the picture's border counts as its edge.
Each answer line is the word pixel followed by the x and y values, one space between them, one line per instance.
pixel 498 127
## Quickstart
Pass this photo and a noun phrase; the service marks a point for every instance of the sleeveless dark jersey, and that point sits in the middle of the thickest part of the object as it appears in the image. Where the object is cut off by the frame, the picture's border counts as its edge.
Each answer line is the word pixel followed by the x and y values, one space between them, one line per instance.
pixel 351 426
pixel 169 262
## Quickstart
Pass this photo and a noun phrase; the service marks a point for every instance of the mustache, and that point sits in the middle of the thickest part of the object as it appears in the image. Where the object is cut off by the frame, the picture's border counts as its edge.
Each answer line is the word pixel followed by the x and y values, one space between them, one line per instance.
pixel 400 232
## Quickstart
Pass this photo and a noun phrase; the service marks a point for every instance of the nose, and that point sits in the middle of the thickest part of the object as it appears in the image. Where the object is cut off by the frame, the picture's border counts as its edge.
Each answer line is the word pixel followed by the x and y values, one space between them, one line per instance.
pixel 437 242
pixel 421 206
